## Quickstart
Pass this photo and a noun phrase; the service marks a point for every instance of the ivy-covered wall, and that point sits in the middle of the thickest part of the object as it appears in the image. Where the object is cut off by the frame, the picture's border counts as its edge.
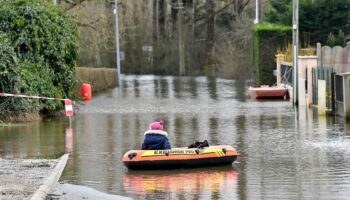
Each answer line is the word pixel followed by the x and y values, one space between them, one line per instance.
pixel 267 38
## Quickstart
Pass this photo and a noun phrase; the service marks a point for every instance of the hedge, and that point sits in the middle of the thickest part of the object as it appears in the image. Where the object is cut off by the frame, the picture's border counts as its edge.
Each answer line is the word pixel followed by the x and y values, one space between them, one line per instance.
pixel 267 38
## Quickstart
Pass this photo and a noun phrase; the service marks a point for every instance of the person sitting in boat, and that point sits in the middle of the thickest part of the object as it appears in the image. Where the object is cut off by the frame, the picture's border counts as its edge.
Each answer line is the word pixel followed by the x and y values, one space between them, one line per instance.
pixel 155 137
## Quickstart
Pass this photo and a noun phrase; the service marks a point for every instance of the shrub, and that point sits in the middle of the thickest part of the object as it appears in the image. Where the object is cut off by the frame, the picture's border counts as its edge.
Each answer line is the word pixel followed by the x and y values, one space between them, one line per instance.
pixel 43 51
pixel 10 80
pixel 287 51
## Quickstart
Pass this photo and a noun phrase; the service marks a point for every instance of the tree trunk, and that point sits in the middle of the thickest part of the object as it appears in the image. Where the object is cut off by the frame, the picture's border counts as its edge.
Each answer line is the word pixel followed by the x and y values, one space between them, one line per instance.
pixel 161 19
pixel 189 16
pixel 155 33
pixel 174 12
pixel 155 22
pixel 210 5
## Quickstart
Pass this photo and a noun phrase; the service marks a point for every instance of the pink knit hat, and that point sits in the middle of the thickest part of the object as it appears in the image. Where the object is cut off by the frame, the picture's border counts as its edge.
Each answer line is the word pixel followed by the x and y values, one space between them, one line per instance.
pixel 156 125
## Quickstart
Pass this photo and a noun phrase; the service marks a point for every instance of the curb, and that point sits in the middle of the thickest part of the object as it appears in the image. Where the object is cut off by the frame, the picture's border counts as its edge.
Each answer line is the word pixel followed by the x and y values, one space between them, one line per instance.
pixel 50 182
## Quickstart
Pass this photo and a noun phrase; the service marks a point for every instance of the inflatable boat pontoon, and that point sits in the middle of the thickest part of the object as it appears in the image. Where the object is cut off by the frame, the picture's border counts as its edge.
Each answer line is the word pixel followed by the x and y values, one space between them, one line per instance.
pixel 180 157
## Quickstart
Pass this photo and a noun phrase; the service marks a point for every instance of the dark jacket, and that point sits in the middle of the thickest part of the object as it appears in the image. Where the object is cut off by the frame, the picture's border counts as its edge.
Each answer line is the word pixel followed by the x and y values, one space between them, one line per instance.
pixel 155 140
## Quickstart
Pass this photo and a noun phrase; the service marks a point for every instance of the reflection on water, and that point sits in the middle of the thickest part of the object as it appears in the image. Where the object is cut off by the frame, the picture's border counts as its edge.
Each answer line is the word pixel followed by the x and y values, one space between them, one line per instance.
pixel 284 153
pixel 69 140
pixel 33 140
pixel 184 184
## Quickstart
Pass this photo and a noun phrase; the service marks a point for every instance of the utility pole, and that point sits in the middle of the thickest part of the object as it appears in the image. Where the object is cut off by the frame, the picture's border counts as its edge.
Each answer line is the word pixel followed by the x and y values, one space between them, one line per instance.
pixel 256 21
pixel 117 41
pixel 295 49
pixel 179 6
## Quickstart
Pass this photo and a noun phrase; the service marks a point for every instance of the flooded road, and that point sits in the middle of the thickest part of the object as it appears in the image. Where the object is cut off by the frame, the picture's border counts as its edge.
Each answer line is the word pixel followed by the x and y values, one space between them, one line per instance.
pixel 284 154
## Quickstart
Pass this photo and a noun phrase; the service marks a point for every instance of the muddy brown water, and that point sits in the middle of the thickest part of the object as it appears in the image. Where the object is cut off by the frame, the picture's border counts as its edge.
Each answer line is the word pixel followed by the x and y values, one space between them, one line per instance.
pixel 284 153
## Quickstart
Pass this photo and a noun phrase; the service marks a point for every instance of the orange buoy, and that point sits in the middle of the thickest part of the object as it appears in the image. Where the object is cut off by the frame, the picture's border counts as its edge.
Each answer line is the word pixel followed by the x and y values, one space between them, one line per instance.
pixel 86 91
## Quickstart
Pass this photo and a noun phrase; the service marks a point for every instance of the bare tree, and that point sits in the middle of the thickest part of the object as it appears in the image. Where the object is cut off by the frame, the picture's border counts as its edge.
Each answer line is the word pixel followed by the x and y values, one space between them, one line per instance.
pixel 215 34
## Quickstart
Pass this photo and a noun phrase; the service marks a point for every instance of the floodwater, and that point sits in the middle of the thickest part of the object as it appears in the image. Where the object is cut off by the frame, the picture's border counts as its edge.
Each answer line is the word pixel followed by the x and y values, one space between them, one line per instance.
pixel 284 153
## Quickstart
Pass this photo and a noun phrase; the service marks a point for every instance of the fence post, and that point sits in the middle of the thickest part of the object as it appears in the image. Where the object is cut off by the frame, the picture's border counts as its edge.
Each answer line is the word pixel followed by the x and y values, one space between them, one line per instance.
pixel 328 88
pixel 321 96
pixel 314 86
pixel 333 92
pixel 346 94
pixel 279 60
pixel 319 54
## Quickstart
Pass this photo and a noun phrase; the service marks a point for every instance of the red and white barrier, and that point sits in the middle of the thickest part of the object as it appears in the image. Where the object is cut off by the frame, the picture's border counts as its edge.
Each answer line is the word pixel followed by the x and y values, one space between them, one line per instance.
pixel 69 107
pixel 29 97
pixel 67 102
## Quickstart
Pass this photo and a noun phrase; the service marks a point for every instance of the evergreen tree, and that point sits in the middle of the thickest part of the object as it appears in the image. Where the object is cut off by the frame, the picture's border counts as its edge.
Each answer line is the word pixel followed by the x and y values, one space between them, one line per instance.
pixel 317 19
pixel 280 12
